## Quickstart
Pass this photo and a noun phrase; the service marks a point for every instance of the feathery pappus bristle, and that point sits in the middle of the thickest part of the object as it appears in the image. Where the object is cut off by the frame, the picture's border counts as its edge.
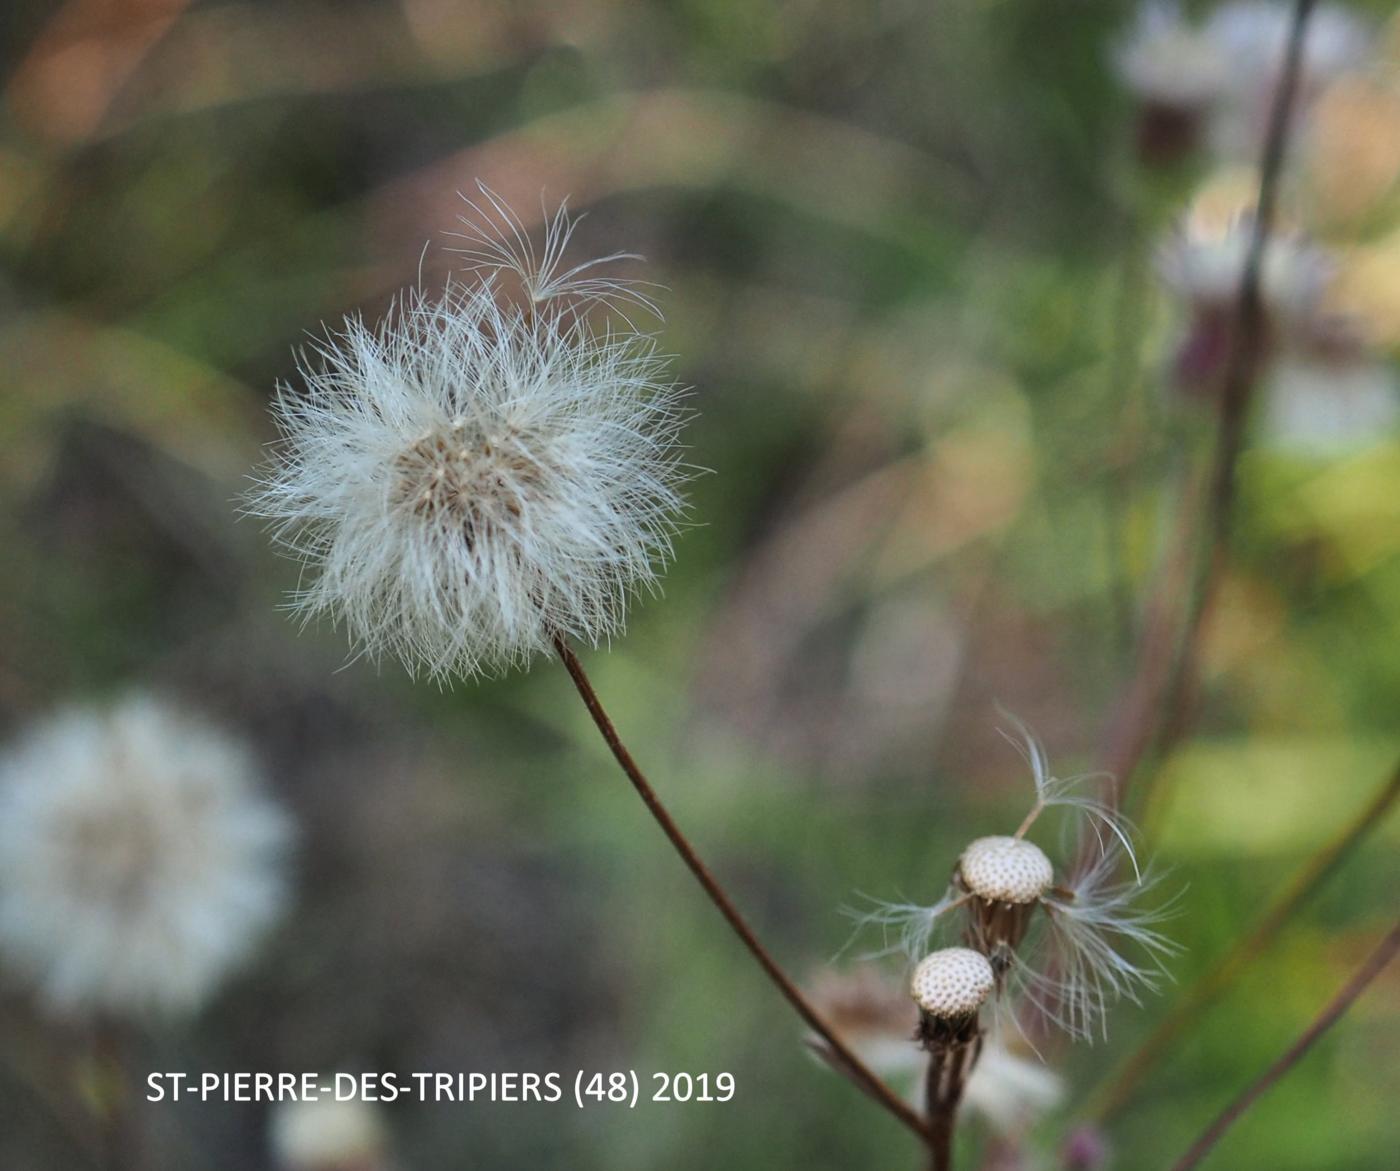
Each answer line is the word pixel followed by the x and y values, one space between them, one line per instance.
pixel 472 479
pixel 1069 943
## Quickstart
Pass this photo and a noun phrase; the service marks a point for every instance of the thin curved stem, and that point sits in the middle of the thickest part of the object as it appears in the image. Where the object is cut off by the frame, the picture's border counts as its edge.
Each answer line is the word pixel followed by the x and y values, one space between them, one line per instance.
pixel 844 1057
pixel 1374 965
pixel 942 1156
pixel 1166 649
pixel 1118 1088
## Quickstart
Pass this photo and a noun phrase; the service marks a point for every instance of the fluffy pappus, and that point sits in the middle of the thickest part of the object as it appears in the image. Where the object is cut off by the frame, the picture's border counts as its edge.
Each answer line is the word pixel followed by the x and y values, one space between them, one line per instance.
pixel 472 479
pixel 1252 36
pixel 1204 265
pixel 1099 944
pixel 1069 944
pixel 496 240
pixel 1008 1087
pixel 1328 405
pixel 140 859
pixel 1177 75
pixel 327 1134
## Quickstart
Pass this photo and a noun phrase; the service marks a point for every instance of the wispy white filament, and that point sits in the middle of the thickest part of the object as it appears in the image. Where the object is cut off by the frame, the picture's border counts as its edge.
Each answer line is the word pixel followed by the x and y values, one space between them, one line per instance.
pixel 1091 940
pixel 497 241
pixel 472 478
pixel 1100 945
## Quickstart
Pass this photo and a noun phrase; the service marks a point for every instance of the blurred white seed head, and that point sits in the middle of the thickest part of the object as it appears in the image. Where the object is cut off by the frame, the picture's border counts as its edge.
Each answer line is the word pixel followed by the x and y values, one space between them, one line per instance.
pixel 474 477
pixel 1176 73
pixel 873 1015
pixel 140 861
pixel 1218 79
pixel 1252 36
pixel 1204 264
pixel 1072 944
pixel 1008 1087
pixel 952 983
pixel 1313 406
pixel 1166 61
pixel 1011 1090
pixel 329 1135
pixel 1005 870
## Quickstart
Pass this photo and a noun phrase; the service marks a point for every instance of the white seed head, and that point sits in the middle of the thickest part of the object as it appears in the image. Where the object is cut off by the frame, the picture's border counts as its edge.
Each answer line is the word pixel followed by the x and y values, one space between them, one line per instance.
pixel 328 1135
pixel 1010 1089
pixel 139 862
pixel 1166 61
pixel 1204 264
pixel 1323 408
pixel 1005 870
pixel 952 982
pixel 1252 36
pixel 471 479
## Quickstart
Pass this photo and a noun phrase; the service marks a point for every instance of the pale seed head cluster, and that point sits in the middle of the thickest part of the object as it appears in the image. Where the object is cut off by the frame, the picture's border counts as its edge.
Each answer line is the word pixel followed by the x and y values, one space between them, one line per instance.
pixel 1213 81
pixel 141 861
pixel 952 983
pixel 325 1134
pixel 480 475
pixel 1325 384
pixel 877 1016
pixel 1005 870
pixel 1070 944
pixel 1178 75
pixel 1203 266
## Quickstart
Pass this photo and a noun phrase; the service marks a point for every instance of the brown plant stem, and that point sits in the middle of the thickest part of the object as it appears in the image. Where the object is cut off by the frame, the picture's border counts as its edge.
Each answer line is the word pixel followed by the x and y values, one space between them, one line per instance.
pixel 852 1065
pixel 119 1133
pixel 1374 965
pixel 941 1139
pixel 1117 1089
pixel 949 1067
pixel 1166 650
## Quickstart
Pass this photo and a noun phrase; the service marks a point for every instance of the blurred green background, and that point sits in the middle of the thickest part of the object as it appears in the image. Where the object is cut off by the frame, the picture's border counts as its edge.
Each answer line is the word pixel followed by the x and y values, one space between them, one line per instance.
pixel 907 259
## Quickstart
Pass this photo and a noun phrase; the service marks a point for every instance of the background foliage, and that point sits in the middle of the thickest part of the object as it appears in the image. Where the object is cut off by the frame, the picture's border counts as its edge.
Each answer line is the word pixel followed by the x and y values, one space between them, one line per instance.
pixel 908 262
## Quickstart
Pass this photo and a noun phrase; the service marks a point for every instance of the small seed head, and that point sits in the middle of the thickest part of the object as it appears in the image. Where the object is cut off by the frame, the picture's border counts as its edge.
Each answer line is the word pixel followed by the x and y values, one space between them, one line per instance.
pixel 1005 870
pixel 952 983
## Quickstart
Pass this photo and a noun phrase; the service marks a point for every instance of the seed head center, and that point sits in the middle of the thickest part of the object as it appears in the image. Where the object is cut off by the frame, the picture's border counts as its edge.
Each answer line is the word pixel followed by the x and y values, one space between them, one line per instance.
pixel 461 475
pixel 1005 870
pixel 109 853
